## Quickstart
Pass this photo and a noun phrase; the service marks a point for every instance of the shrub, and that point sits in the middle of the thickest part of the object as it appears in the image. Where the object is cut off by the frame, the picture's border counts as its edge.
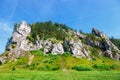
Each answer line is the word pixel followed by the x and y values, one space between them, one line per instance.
pixel 67 54
pixel 83 41
pixel 30 38
pixel 49 68
pixel 32 66
pixel 47 30
pixel 103 67
pixel 82 68
pixel 94 52
pixel 37 52
pixel 13 69
pixel 13 45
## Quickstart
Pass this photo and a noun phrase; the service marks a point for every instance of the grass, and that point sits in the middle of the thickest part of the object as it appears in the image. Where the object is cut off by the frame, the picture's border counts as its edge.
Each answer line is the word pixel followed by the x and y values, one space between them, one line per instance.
pixel 59 75
pixel 50 67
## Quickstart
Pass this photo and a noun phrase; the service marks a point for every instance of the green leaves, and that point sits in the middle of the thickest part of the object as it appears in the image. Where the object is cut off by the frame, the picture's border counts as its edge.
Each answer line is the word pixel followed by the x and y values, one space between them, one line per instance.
pixel 47 30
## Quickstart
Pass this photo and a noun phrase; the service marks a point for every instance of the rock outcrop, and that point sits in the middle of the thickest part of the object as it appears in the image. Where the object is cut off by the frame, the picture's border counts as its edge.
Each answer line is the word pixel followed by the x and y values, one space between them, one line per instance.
pixel 76 48
pixel 57 49
pixel 110 50
pixel 19 43
pixel 47 46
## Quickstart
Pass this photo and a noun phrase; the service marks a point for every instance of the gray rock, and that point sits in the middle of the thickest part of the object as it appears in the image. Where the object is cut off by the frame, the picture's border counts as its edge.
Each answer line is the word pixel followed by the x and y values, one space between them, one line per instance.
pixel 38 44
pixel 80 35
pixel 77 48
pixel 19 41
pixel 47 46
pixel 57 49
pixel 98 33
pixel 107 45
pixel 92 43
pixel 108 54
pixel 21 33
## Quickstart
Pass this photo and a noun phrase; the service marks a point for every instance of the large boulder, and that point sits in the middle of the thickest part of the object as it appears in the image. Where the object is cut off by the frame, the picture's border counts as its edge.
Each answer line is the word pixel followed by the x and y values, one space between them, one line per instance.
pixel 77 48
pixel 57 49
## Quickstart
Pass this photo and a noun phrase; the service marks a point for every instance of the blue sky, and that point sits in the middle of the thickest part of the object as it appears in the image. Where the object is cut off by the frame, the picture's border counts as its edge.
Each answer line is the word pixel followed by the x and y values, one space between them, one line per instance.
pixel 78 14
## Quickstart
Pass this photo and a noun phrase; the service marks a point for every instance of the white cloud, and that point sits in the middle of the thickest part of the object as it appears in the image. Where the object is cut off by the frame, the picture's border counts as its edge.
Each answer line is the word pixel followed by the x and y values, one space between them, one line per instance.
pixel 5 27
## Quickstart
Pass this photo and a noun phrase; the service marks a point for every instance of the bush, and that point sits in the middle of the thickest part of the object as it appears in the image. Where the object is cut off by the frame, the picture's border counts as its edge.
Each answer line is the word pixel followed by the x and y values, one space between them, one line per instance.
pixel 13 69
pixel 37 52
pixel 30 38
pixel 32 66
pixel 103 67
pixel 67 54
pixel 82 68
pixel 94 52
pixel 49 68
pixel 13 45
pixel 47 30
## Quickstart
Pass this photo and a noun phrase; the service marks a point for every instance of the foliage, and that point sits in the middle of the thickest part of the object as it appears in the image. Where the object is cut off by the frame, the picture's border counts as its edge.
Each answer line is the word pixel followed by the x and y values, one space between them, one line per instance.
pixel 22 61
pixel 13 69
pixel 82 68
pixel 103 66
pixel 94 51
pixel 37 52
pixel 48 29
pixel 30 38
pixel 49 68
pixel 51 62
pixel 115 41
pixel 94 37
pixel 67 54
pixel 16 25
pixel 13 45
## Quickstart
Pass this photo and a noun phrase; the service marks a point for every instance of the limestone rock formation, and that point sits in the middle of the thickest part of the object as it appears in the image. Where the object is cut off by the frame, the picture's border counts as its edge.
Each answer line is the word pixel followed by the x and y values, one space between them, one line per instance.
pixel 47 46
pixel 92 43
pixel 75 43
pixel 76 48
pixel 108 47
pixel 57 49
pixel 19 41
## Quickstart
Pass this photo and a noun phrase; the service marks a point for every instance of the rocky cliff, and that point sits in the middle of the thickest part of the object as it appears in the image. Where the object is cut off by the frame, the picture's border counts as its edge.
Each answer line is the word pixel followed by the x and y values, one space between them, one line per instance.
pixel 78 44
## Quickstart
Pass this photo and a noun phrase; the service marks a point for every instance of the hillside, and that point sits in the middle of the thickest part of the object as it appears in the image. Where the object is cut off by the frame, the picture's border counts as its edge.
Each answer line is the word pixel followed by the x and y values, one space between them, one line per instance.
pixel 53 46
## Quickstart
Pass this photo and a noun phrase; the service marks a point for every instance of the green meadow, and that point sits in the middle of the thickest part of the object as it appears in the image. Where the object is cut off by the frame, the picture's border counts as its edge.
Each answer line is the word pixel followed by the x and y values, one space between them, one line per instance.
pixel 60 67
pixel 59 75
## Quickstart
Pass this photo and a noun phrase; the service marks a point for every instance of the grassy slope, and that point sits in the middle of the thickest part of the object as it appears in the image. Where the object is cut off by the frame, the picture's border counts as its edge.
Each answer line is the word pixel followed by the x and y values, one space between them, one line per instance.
pixel 49 67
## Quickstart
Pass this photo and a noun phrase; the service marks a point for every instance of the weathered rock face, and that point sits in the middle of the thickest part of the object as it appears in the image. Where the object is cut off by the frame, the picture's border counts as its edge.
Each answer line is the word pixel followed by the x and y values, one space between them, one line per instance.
pixel 92 43
pixel 110 50
pixel 38 44
pixel 20 36
pixel 81 36
pixel 76 48
pixel 19 43
pixel 97 33
pixel 57 49
pixel 47 45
